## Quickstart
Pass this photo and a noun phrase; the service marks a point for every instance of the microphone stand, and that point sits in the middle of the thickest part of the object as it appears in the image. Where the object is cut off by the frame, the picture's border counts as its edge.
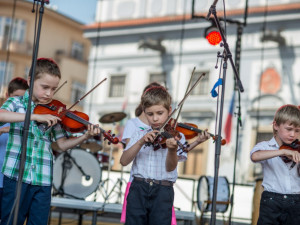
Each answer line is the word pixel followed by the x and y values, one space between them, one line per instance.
pixel 27 116
pixel 226 55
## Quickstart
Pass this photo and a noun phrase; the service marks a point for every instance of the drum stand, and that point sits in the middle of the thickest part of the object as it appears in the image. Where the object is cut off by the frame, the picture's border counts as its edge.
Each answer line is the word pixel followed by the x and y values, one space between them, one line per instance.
pixel 112 118
pixel 210 202
pixel 118 185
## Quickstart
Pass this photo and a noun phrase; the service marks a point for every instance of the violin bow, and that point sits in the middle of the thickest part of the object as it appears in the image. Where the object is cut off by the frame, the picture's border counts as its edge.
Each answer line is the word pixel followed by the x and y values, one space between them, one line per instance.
pixel 87 93
pixel 181 102
pixel 60 87
pixel 187 88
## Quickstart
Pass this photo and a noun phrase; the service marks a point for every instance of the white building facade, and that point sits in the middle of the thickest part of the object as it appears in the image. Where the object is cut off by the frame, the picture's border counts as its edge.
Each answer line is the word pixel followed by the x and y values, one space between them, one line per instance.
pixel 135 42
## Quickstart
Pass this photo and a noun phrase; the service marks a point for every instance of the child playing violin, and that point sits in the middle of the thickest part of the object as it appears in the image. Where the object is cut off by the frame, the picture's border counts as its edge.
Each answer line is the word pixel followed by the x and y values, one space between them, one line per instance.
pixel 37 178
pixel 16 87
pixel 151 193
pixel 280 200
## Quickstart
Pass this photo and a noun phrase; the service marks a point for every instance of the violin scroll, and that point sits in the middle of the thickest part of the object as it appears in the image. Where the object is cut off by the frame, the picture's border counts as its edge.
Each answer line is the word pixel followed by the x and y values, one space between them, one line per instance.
pixel 111 137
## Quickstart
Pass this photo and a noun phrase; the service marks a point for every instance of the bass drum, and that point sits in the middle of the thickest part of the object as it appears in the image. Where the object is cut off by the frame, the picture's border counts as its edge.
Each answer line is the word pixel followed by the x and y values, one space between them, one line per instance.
pixel 205 194
pixel 76 173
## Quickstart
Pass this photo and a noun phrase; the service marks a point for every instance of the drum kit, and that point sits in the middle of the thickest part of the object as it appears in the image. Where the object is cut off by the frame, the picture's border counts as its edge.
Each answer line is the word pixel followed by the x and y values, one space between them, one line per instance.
pixel 205 194
pixel 77 173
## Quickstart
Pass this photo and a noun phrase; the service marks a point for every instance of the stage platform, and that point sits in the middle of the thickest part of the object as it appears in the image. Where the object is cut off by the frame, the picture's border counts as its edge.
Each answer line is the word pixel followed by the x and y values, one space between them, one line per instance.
pixel 109 213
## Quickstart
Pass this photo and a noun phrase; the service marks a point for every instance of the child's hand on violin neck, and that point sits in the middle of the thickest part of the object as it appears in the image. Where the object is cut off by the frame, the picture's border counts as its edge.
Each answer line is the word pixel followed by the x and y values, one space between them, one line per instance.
pixel 203 136
pixel 292 155
pixel 48 119
pixel 172 144
pixel 93 130
pixel 150 136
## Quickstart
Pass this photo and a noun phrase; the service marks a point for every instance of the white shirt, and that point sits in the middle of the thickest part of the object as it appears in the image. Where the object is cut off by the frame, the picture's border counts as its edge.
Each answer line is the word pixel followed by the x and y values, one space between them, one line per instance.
pixel 278 175
pixel 132 126
pixel 152 164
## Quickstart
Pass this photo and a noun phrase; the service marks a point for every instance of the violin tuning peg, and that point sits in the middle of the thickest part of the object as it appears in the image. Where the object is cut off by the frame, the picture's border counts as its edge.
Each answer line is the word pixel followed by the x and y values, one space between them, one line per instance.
pixel 109 131
pixel 113 135
pixel 109 143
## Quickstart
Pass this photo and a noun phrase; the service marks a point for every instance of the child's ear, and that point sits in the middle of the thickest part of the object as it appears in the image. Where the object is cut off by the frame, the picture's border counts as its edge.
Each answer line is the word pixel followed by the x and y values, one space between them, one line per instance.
pixel 170 110
pixel 276 127
pixel 28 80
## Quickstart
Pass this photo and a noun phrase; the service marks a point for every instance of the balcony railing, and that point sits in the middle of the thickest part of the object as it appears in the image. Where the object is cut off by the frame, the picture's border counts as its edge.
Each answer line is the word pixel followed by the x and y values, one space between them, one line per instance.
pixel 16 47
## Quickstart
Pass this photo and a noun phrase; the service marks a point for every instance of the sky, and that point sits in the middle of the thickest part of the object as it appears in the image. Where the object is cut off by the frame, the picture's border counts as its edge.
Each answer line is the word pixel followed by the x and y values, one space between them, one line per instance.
pixel 81 10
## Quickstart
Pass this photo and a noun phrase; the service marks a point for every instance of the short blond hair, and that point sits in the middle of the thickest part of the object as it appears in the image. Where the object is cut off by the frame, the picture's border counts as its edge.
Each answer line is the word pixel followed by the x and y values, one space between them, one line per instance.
pixel 156 95
pixel 287 114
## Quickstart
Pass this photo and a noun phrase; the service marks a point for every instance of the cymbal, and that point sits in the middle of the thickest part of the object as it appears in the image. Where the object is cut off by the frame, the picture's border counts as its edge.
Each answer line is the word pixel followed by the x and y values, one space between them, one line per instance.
pixel 91 144
pixel 112 117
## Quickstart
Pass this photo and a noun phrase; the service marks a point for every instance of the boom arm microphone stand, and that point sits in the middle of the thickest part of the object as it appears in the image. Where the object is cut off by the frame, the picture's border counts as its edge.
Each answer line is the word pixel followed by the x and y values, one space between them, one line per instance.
pixel 226 55
pixel 28 114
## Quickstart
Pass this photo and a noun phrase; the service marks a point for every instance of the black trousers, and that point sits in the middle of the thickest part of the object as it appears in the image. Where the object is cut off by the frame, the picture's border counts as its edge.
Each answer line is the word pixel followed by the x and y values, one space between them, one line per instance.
pixel 279 209
pixel 149 204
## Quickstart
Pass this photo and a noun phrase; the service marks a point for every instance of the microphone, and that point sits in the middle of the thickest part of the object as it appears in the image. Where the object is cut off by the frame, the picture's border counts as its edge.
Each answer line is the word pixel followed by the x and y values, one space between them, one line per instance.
pixel 210 9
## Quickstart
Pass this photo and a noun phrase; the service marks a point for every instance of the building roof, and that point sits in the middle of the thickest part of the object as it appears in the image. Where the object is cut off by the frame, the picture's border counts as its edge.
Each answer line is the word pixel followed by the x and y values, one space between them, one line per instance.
pixel 176 18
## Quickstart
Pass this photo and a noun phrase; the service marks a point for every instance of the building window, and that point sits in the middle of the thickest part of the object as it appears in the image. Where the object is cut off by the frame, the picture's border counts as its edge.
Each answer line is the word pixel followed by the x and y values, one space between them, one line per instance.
pixel 202 86
pixel 78 91
pixel 77 50
pixel 194 163
pixel 5 78
pixel 26 71
pixel 263 136
pixel 159 78
pixel 117 86
pixel 18 31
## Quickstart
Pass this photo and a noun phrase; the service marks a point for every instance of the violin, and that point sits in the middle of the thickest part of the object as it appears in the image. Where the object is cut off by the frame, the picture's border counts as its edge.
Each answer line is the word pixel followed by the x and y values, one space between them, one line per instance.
pixel 295 146
pixel 191 130
pixel 169 132
pixel 72 121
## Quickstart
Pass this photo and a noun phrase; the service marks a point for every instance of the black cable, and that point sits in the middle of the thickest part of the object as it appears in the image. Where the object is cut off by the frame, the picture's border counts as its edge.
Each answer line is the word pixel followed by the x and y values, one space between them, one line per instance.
pixel 95 58
pixel 238 114
pixel 182 33
pixel 262 68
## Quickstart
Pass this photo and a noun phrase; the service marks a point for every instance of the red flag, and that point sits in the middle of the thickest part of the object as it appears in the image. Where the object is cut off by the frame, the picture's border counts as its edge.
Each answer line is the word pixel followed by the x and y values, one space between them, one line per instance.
pixel 124 105
pixel 228 124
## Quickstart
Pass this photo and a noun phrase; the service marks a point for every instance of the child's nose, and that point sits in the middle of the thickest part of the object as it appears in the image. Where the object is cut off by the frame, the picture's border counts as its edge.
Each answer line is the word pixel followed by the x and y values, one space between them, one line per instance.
pixel 292 133
pixel 48 92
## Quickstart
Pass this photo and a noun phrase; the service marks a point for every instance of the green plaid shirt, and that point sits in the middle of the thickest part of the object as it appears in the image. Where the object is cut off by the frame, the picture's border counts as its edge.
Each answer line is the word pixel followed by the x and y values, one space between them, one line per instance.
pixel 39 157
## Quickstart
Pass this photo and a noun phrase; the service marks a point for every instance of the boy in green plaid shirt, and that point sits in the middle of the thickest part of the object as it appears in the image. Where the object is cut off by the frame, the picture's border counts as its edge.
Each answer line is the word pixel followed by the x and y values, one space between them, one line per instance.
pixel 37 179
